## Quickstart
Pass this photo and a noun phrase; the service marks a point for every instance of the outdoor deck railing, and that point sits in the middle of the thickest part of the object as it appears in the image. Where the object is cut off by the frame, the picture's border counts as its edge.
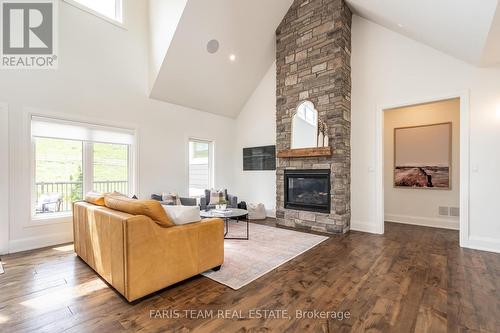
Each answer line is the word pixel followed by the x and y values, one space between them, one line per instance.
pixel 58 196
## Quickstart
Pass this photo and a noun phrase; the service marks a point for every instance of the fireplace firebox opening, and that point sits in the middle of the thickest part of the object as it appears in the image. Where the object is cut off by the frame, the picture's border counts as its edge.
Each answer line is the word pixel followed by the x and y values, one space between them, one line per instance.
pixel 308 190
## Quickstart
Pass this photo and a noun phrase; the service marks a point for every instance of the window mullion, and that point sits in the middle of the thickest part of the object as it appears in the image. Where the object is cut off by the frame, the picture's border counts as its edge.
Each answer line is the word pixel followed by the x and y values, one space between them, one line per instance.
pixel 211 173
pixel 88 169
pixel 130 167
pixel 118 10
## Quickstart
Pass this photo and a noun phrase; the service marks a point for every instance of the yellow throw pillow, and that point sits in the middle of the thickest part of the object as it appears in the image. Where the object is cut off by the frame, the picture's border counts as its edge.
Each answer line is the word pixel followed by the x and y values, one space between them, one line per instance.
pixel 95 198
pixel 150 208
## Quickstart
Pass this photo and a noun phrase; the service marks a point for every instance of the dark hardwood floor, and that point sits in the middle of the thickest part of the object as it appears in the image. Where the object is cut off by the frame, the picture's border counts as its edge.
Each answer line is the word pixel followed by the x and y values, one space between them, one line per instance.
pixel 412 279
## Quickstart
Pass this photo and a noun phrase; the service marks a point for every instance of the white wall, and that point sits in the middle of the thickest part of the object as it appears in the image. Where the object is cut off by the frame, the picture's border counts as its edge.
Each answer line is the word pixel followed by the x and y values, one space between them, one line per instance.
pixel 164 16
pixel 4 179
pixel 389 69
pixel 414 205
pixel 103 77
pixel 256 126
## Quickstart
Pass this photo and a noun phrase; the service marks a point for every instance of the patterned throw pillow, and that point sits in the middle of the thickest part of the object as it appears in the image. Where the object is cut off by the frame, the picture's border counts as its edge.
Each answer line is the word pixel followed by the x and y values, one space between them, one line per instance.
pixel 171 199
pixel 217 197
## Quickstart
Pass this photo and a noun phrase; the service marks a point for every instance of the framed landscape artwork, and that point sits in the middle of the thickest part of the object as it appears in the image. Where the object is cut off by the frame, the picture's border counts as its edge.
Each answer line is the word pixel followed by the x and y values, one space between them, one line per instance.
pixel 422 156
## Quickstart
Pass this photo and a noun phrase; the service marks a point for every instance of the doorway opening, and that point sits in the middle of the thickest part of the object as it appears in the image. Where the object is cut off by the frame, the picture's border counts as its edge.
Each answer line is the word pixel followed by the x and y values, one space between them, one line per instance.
pixel 423 164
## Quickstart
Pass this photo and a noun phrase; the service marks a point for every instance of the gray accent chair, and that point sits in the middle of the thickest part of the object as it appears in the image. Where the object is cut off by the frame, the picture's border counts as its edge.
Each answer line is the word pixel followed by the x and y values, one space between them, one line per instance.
pixel 232 201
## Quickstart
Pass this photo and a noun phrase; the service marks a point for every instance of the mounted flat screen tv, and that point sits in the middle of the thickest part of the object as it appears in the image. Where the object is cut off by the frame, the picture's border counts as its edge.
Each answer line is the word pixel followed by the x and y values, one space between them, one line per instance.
pixel 259 158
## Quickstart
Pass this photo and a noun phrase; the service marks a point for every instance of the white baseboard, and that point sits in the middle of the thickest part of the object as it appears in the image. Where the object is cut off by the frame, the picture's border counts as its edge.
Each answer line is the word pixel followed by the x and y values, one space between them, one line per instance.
pixel 365 227
pixel 31 243
pixel 483 244
pixel 434 222
pixel 271 213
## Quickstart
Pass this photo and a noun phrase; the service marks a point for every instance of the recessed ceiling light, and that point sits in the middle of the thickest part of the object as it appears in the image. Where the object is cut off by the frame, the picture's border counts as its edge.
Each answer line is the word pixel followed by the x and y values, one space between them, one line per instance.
pixel 400 25
pixel 232 57
pixel 212 46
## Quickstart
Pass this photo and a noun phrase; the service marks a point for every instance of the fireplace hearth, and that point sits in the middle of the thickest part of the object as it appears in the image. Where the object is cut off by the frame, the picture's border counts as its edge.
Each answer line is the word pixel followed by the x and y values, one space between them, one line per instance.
pixel 308 190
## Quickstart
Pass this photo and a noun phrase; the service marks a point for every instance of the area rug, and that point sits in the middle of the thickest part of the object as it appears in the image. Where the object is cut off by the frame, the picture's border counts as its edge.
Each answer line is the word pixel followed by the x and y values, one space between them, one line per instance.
pixel 267 249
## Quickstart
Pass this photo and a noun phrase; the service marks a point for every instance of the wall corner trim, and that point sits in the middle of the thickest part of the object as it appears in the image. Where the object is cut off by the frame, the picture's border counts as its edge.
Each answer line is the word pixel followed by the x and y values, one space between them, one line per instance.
pixel 483 244
pixel 367 227
pixel 433 222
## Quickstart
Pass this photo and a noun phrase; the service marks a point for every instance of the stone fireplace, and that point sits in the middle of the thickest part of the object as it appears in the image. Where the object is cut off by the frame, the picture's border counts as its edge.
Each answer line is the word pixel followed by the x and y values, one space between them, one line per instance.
pixel 313 63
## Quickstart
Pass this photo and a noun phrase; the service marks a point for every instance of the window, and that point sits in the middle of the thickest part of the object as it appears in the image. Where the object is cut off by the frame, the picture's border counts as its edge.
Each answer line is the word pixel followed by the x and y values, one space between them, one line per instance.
pixel 72 158
pixel 58 174
pixel 200 167
pixel 306 112
pixel 111 171
pixel 111 9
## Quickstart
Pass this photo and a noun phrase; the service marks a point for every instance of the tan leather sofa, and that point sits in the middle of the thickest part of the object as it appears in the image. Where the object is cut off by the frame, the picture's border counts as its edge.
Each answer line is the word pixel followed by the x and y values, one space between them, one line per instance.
pixel 138 255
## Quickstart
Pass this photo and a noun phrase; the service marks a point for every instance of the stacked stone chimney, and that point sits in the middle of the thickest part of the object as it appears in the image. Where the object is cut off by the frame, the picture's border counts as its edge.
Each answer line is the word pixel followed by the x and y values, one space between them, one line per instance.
pixel 313 63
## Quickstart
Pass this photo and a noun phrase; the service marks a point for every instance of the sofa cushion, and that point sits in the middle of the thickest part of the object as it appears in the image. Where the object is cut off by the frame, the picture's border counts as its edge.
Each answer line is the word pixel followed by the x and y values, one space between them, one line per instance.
pixel 95 198
pixel 149 208
pixel 183 214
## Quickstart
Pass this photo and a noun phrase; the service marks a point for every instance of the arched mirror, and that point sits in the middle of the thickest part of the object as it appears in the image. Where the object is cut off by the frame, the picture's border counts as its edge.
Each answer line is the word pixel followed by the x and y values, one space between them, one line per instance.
pixel 305 126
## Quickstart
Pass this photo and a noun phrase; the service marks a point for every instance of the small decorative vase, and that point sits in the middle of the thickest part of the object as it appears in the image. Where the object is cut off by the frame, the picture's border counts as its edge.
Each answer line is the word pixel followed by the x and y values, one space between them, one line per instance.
pixel 320 139
pixel 221 207
pixel 325 140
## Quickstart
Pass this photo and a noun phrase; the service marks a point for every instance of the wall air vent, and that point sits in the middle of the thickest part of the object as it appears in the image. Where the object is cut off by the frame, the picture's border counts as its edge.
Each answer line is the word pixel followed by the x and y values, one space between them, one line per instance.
pixel 454 211
pixel 443 211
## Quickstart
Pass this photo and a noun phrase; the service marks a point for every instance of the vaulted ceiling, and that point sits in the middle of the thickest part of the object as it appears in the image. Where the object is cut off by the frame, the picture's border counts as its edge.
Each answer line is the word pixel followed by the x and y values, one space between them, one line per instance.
pixel 465 29
pixel 191 76
pixel 184 72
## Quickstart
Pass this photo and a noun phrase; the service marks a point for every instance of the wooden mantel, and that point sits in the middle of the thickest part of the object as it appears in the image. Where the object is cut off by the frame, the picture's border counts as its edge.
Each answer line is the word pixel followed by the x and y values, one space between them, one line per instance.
pixel 305 152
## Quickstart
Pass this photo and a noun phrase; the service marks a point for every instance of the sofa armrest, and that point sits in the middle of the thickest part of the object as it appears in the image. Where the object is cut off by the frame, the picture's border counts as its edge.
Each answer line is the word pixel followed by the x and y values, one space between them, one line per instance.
pixel 158 256
pixel 211 241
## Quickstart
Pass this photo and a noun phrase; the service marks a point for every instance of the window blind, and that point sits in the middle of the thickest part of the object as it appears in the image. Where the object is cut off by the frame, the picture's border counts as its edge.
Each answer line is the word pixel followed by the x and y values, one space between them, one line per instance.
pixel 63 129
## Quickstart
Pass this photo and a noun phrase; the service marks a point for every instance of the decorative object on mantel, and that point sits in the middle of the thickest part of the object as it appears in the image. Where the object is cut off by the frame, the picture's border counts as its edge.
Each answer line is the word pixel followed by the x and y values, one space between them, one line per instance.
pixel 304 126
pixel 305 152
pixel 323 134
pixel 326 139
pixel 308 131
pixel 309 134
pixel 320 134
